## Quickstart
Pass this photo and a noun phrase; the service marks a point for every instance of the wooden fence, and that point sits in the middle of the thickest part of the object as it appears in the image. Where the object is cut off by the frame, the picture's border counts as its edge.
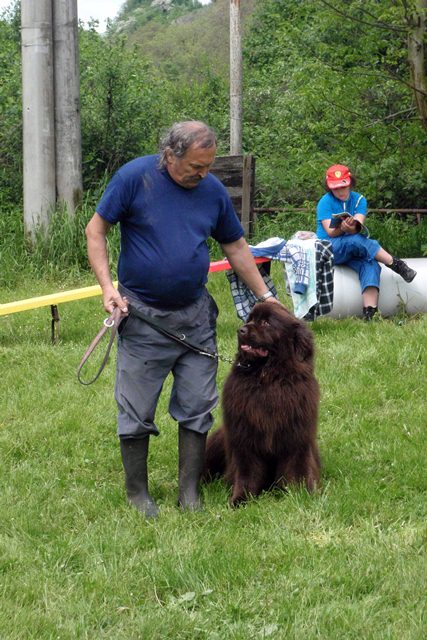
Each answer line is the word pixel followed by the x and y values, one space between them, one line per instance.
pixel 418 213
pixel 237 174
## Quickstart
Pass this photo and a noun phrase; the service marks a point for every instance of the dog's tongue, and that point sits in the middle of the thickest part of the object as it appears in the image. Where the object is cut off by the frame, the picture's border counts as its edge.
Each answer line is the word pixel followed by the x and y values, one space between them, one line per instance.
pixel 257 351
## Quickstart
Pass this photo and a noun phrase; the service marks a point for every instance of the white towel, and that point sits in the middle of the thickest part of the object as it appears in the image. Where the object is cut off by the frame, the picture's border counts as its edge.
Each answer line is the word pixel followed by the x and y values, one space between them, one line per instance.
pixel 303 303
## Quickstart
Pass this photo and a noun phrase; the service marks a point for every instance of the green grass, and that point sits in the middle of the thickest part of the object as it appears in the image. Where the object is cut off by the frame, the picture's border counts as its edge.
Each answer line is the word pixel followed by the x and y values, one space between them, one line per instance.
pixel 77 562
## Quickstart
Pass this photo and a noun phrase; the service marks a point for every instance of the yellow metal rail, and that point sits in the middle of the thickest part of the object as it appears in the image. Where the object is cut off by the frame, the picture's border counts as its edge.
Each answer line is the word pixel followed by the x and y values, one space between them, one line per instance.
pixel 49 300
pixel 53 299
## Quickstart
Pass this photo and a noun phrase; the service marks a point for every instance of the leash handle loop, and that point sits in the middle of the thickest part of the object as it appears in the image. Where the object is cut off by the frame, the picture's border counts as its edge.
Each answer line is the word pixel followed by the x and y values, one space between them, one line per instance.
pixel 112 322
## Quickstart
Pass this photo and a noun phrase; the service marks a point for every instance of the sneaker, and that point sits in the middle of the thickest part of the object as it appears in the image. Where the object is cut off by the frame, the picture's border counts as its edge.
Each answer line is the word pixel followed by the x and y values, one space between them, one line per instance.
pixel 368 313
pixel 400 267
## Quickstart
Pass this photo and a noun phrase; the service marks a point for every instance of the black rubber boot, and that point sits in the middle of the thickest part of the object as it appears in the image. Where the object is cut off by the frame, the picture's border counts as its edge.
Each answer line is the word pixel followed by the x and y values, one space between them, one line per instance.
pixel 134 456
pixel 191 448
pixel 368 313
pixel 404 270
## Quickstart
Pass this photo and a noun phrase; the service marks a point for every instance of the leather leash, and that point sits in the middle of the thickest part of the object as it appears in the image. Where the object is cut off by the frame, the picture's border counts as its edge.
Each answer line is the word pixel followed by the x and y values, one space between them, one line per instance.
pixel 113 321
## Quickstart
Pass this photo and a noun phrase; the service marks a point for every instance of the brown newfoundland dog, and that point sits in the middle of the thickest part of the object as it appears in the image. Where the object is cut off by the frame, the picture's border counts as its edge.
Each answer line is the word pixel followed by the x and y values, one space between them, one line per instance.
pixel 270 404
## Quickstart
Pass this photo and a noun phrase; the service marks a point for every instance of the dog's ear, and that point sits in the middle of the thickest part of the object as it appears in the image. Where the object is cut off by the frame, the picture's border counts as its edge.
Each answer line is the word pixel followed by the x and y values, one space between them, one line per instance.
pixel 303 343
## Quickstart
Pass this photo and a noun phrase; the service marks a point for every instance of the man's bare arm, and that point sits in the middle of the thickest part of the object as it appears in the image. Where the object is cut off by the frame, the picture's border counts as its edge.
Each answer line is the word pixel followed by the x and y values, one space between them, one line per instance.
pixel 96 235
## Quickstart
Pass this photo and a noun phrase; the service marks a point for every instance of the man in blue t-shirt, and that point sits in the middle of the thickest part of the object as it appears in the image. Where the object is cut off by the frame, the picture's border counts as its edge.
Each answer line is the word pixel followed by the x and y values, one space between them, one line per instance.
pixel 167 207
pixel 341 215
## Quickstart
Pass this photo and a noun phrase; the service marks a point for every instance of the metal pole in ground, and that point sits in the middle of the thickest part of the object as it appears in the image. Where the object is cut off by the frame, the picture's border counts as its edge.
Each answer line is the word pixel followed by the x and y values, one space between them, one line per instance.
pixel 235 79
pixel 67 103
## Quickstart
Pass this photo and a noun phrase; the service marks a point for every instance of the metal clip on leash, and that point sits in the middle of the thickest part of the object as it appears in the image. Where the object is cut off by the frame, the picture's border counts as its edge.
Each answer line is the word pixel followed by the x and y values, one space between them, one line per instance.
pixel 110 323
pixel 113 321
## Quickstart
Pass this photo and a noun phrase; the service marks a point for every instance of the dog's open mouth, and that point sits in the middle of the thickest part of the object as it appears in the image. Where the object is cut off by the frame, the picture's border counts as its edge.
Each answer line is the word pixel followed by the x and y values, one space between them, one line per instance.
pixel 260 352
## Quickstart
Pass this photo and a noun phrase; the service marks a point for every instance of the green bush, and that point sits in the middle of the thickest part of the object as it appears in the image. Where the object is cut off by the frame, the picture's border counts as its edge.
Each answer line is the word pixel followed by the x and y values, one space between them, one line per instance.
pixel 401 237
pixel 59 254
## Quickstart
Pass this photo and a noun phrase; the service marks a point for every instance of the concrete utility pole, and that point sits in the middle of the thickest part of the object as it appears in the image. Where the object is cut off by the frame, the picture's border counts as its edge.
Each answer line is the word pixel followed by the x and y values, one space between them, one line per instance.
pixel 38 113
pixel 67 104
pixel 235 79
pixel 51 109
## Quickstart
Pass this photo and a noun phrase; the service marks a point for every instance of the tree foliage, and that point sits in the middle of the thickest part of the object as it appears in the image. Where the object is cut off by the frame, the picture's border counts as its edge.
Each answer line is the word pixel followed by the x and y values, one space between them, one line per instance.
pixel 323 82
pixel 10 106
pixel 184 48
pixel 122 106
pixel 326 83
pixel 126 104
pixel 134 14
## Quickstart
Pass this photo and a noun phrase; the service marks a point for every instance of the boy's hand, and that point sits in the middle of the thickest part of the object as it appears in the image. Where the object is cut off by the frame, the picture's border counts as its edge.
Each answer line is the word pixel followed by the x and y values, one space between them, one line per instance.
pixel 350 225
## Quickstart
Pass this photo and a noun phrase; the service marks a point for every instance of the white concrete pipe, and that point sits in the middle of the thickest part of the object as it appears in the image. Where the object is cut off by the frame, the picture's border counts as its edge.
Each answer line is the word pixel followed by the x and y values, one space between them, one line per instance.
pixel 395 293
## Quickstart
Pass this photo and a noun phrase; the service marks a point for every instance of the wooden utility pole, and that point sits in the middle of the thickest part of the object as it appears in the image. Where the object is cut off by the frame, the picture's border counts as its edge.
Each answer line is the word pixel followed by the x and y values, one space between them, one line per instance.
pixel 417 31
pixel 38 113
pixel 67 104
pixel 235 79
pixel 51 110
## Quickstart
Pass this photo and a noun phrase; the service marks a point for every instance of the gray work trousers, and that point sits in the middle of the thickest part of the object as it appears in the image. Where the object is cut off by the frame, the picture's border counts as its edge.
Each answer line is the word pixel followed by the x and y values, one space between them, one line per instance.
pixel 145 357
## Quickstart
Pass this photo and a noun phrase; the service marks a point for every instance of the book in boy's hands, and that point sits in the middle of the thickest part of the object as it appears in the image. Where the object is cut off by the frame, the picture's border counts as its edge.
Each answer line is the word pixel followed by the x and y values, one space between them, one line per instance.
pixel 337 218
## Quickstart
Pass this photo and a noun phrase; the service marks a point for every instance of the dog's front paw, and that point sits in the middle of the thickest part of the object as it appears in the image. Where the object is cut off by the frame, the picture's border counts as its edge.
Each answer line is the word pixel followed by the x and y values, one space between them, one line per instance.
pixel 239 496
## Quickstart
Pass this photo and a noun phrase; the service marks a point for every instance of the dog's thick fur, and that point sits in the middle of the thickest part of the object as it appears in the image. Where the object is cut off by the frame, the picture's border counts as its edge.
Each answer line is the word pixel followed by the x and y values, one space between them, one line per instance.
pixel 270 405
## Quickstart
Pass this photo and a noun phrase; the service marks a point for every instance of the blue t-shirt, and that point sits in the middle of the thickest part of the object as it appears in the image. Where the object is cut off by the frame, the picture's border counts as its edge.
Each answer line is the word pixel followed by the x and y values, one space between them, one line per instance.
pixel 164 256
pixel 328 205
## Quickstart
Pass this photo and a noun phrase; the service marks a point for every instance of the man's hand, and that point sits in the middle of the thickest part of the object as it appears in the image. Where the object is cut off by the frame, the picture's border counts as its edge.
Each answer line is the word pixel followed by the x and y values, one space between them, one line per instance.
pixel 112 299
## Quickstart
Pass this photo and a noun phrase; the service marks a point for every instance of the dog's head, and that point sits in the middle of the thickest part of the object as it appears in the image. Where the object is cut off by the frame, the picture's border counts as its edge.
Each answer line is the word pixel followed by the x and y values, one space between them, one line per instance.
pixel 272 333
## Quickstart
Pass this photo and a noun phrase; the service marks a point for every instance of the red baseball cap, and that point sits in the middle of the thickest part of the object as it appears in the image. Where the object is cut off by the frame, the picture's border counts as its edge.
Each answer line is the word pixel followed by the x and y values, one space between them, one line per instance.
pixel 338 176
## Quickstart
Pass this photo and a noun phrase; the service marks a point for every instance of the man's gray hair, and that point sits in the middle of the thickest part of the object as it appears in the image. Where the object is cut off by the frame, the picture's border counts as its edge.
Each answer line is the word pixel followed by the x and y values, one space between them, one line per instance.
pixel 182 135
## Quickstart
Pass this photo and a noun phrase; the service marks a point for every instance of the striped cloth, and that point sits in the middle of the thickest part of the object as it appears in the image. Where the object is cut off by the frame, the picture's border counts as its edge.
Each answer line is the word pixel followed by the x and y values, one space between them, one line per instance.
pixel 324 280
pixel 318 300
pixel 244 299
pixel 297 262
